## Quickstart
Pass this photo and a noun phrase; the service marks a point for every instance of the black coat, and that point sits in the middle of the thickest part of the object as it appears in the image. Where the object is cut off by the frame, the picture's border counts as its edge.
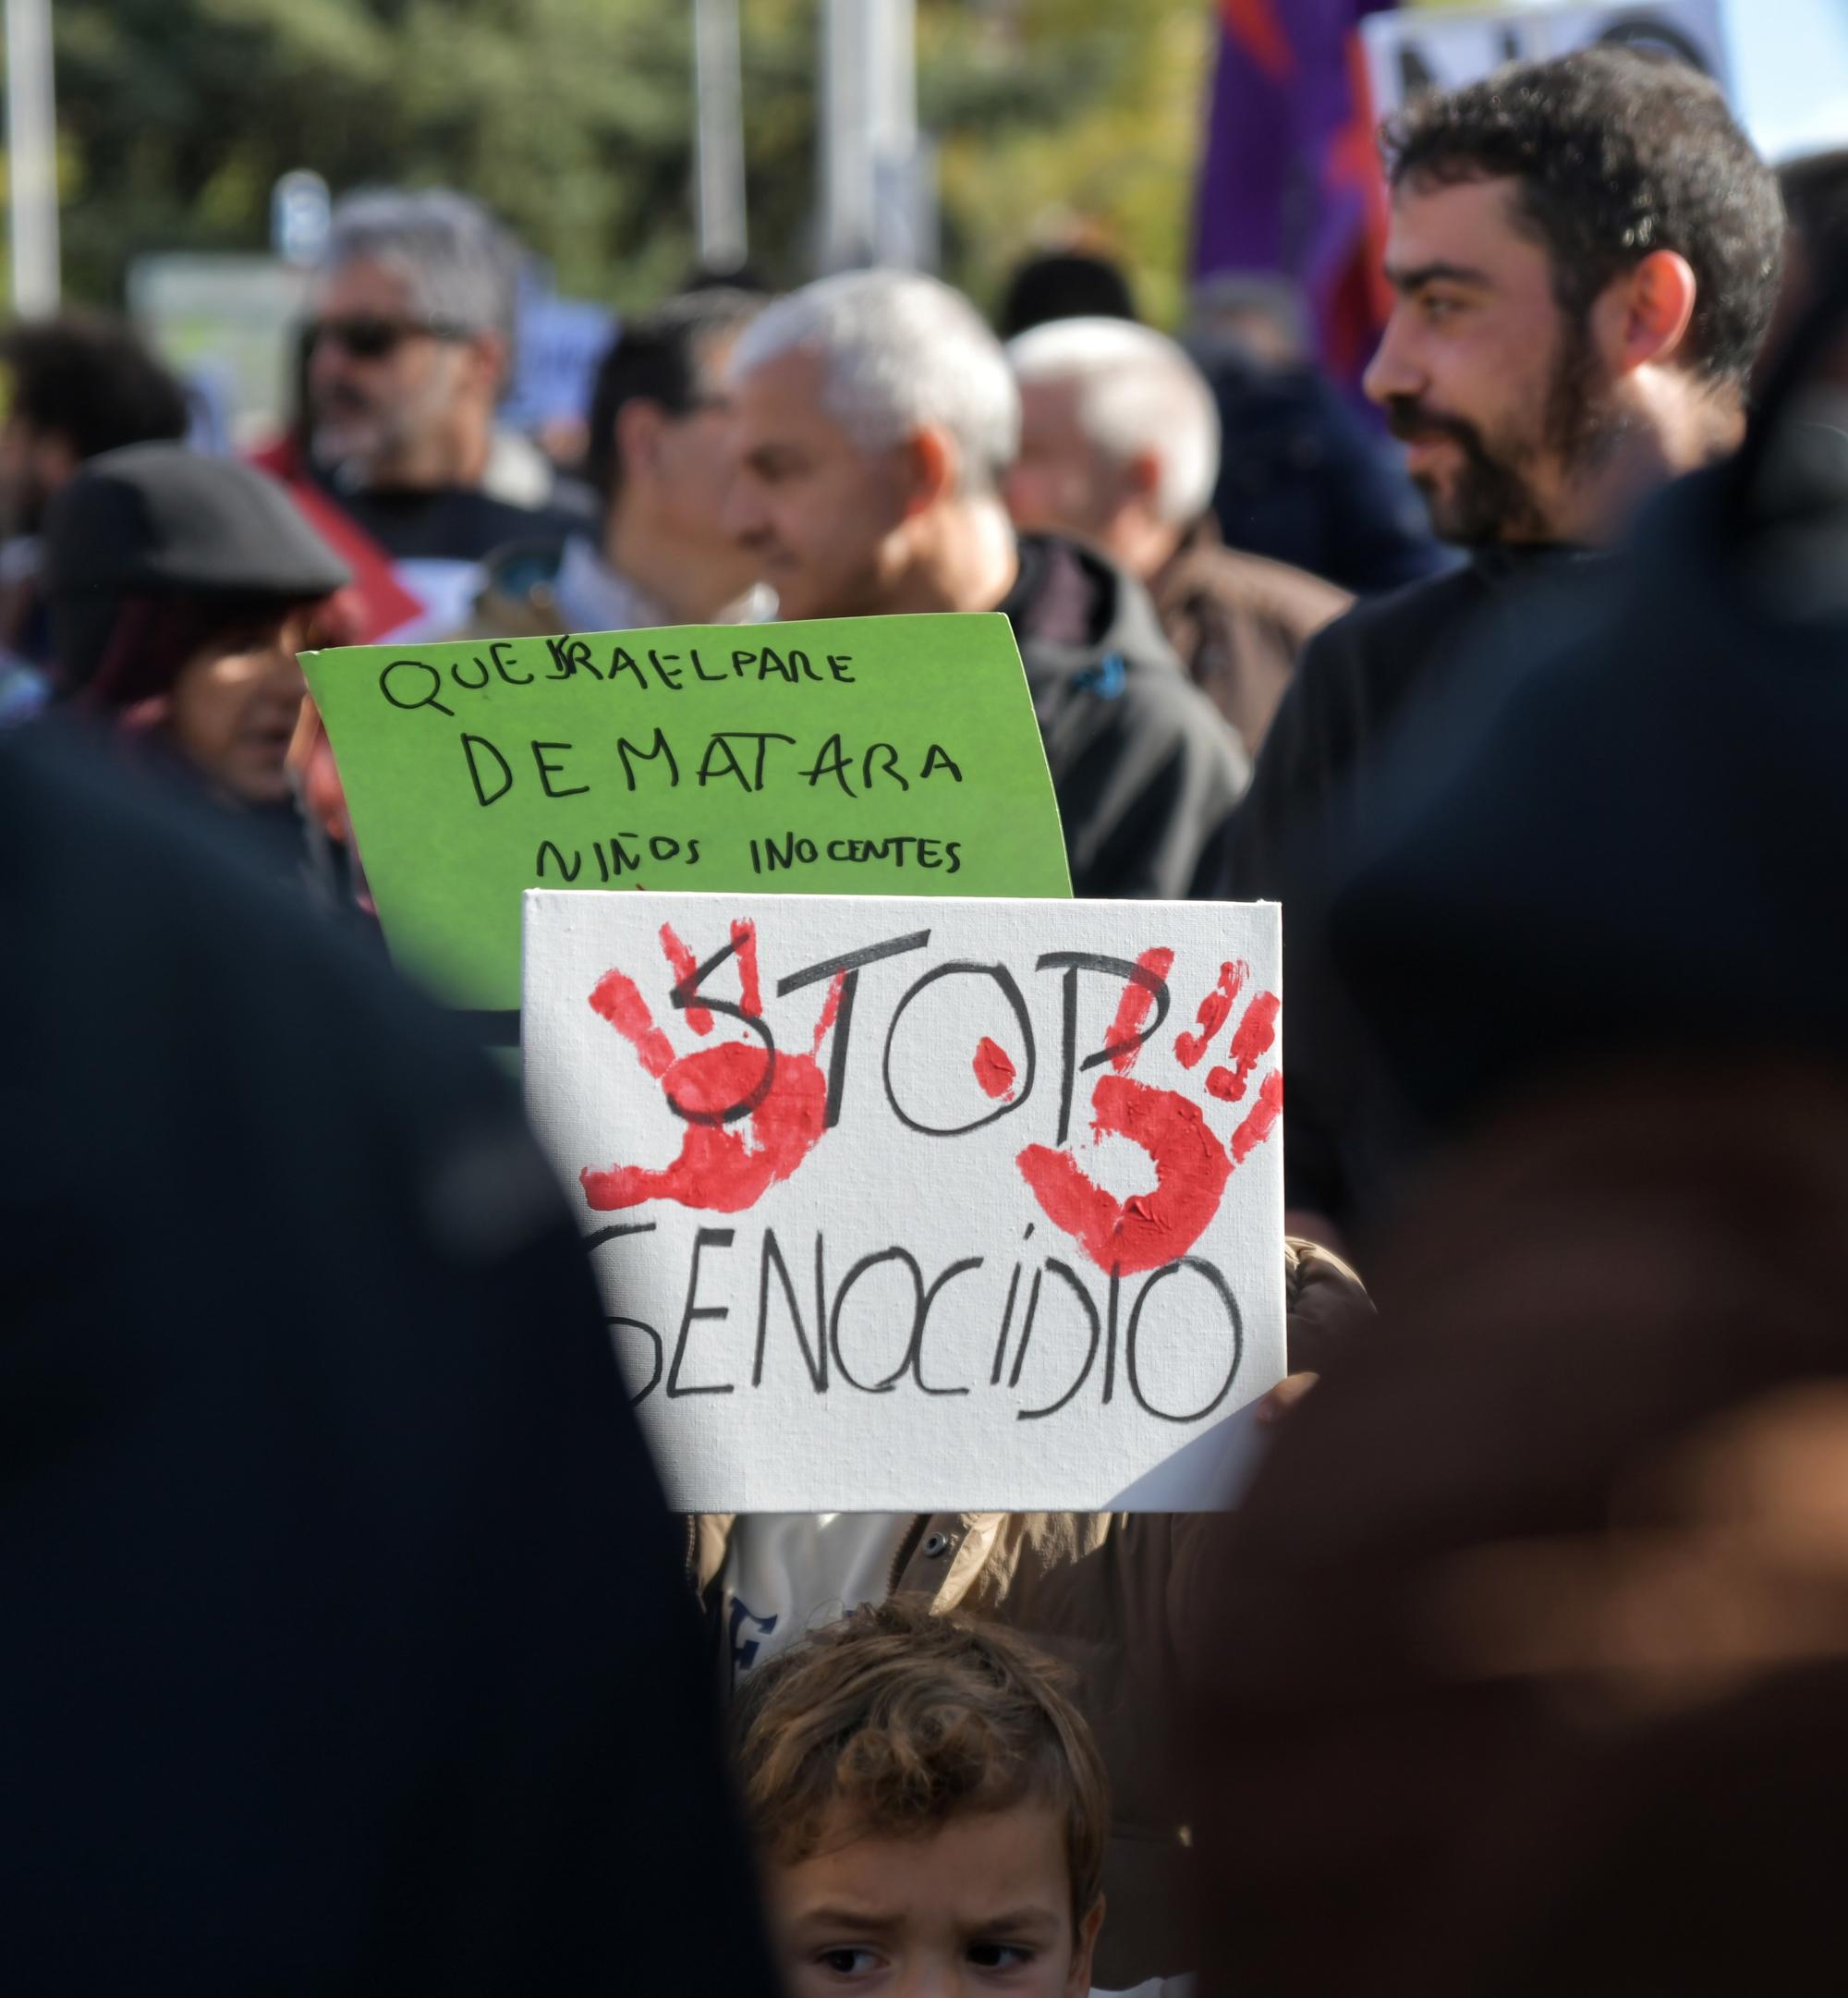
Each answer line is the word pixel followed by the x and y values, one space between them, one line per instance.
pixel 1144 765
pixel 1368 688
pixel 343 1641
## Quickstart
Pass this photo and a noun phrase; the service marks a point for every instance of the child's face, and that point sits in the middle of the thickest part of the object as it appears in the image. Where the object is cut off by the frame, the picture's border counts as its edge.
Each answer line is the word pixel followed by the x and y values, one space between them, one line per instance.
pixel 984 1905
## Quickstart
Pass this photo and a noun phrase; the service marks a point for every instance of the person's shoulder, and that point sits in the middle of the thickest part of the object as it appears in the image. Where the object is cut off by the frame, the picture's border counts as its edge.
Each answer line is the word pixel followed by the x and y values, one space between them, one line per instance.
pixel 88 831
pixel 1259 584
pixel 1393 633
pixel 1430 600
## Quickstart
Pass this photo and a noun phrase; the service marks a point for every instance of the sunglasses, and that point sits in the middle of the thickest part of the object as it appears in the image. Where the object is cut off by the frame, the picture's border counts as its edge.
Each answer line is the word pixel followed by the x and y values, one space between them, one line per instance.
pixel 371 336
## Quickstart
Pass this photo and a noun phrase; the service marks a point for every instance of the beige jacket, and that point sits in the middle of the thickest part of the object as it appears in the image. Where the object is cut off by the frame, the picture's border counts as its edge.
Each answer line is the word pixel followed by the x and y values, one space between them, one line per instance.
pixel 1112 1595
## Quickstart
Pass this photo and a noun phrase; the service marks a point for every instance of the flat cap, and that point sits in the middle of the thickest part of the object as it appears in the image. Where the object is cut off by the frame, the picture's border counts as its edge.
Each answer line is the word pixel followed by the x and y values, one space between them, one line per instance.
pixel 157 519
pixel 160 517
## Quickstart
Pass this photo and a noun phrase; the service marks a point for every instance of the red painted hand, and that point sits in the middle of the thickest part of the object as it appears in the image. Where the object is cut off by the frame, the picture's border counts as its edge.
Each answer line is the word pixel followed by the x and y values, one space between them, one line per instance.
pixel 1191 1164
pixel 753 1111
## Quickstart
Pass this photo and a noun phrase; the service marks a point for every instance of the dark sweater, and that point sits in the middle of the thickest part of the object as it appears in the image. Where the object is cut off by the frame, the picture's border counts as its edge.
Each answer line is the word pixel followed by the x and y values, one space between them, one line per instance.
pixel 1387 669
pixel 345 1641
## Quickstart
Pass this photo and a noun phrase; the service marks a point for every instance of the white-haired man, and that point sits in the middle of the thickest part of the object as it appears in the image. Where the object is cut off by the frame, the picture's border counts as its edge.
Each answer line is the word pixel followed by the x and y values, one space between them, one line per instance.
pixel 874 417
pixel 1120 445
pixel 407 351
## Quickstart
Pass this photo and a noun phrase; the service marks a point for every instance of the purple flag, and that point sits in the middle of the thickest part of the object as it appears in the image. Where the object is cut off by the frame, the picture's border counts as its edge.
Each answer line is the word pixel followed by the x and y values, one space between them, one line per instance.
pixel 1292 185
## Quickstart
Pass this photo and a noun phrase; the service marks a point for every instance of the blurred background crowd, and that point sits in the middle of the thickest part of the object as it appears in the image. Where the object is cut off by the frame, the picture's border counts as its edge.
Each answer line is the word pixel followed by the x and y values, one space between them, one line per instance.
pixel 1442 537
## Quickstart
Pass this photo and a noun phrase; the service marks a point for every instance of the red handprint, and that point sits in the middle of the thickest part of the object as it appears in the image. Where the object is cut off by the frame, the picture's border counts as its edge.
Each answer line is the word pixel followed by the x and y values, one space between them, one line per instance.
pixel 1191 1164
pixel 780 1098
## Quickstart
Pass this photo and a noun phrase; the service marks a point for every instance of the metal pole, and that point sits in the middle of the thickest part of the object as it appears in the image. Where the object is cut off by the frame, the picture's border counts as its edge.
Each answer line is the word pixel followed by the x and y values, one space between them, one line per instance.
pixel 892 88
pixel 31 156
pixel 872 185
pixel 723 232
pixel 846 138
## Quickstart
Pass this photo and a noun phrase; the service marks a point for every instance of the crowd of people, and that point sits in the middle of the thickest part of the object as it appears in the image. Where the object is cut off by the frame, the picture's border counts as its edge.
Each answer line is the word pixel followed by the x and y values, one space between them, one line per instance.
pixel 347 1643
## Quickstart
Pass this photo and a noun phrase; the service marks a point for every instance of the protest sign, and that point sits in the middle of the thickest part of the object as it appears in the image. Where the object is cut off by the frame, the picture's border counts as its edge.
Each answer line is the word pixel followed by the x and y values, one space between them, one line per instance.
pixel 1409 52
pixel 872 755
pixel 903 1205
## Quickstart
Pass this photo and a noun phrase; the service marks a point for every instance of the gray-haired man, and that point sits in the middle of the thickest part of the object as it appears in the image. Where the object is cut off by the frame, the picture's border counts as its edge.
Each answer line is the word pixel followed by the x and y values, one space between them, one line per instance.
pixel 875 415
pixel 408 348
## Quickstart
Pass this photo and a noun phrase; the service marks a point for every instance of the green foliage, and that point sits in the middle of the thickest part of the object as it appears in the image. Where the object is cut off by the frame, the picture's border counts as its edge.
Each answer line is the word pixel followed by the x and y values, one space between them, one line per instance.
pixel 574 120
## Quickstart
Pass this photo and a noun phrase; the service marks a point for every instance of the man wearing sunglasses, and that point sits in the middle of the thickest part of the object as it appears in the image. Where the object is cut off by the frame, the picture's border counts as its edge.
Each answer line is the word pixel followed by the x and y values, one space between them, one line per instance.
pixel 405 357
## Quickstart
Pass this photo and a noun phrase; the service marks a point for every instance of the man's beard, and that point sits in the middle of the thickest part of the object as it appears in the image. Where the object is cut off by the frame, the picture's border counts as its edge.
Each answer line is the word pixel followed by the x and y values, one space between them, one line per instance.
pixel 349 435
pixel 1493 497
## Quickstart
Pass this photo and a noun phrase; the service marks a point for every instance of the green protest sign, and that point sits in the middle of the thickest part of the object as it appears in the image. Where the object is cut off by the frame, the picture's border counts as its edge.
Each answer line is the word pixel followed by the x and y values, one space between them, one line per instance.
pixel 853 756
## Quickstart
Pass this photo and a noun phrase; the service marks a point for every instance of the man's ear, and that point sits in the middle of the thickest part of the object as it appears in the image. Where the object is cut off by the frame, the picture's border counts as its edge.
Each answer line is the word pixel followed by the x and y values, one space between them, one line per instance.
pixel 488 359
pixel 1142 476
pixel 1080 1983
pixel 638 428
pixel 930 469
pixel 1652 307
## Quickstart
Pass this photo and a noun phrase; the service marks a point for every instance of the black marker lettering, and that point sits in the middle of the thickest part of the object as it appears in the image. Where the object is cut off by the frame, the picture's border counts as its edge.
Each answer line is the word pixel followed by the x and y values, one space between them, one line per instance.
pixel 847 1283
pixel 1003 978
pixel 430 691
pixel 815 1357
pixel 888 760
pixel 1225 1297
pixel 547 771
pixel 705 1238
pixel 1125 972
pixel 470 745
pixel 1083 1297
pixel 956 1270
pixel 627 750
pixel 687 994
pixel 504 667
pixel 830 761
pixel 852 964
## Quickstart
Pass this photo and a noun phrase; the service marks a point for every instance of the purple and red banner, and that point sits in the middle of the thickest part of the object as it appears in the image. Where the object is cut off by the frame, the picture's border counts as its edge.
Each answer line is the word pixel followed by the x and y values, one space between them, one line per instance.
pixel 1292 185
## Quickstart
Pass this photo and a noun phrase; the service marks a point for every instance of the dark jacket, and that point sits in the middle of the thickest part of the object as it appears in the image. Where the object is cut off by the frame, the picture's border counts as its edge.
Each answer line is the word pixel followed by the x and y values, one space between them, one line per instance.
pixel 1239 622
pixel 1630 852
pixel 1143 765
pixel 1363 682
pixel 1306 480
pixel 343 1645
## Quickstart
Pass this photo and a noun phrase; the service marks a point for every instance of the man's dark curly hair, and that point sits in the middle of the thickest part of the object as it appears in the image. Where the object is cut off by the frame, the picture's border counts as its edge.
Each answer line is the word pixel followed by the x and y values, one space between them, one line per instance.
pixel 1617 154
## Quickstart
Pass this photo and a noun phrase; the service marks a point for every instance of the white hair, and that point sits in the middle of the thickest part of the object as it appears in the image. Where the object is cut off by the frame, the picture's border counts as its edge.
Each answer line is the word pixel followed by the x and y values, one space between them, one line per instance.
pixel 1137 392
pixel 898 353
pixel 462 268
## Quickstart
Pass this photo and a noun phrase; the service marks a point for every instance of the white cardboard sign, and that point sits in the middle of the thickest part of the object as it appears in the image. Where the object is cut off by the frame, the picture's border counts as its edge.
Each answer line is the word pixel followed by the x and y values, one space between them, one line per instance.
pixel 1410 50
pixel 915 1204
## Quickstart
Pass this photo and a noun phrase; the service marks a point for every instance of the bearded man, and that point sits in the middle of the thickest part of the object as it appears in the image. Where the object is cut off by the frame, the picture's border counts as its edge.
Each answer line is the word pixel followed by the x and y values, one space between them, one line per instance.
pixel 1583 258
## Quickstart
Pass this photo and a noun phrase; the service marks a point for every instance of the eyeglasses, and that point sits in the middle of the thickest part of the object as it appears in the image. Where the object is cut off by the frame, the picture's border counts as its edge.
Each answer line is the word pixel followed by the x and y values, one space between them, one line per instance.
pixel 371 336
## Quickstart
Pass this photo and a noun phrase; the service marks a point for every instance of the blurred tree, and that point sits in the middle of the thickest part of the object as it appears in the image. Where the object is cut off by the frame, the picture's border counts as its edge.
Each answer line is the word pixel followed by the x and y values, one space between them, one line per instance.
pixel 573 119
pixel 1067 124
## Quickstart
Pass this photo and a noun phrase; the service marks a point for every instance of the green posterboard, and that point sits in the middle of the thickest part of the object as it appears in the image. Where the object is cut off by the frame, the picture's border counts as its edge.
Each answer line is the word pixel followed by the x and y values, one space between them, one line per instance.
pixel 856 756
